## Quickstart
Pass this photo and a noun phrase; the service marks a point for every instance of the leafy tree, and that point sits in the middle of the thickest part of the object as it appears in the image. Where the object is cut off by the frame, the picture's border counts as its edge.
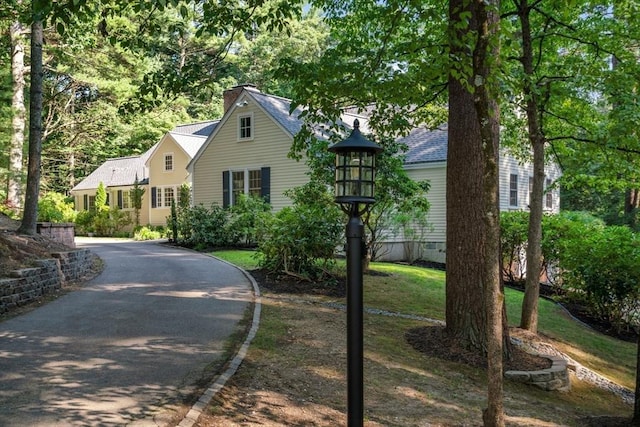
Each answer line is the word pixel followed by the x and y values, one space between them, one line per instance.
pixel 396 196
pixel 137 193
pixel 101 198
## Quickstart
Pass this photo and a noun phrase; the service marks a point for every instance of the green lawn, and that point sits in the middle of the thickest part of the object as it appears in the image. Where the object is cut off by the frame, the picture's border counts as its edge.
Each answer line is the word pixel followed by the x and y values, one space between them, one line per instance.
pixel 421 291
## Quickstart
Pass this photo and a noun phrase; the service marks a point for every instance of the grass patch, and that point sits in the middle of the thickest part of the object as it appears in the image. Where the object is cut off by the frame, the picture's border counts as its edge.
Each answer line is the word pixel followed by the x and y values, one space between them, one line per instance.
pixel 421 291
pixel 246 259
pixel 294 374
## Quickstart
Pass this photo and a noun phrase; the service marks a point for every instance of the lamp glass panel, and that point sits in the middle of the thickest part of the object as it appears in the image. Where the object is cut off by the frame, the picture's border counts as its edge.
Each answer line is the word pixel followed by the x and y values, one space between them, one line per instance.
pixel 367 189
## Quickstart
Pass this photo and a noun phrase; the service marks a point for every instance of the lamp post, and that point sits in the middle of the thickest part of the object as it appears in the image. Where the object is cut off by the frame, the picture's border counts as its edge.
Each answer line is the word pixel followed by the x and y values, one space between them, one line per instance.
pixel 354 192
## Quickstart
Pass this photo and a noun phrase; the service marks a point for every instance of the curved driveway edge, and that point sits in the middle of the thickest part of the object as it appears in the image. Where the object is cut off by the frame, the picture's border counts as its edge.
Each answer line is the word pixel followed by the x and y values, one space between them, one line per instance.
pixel 126 347
pixel 196 410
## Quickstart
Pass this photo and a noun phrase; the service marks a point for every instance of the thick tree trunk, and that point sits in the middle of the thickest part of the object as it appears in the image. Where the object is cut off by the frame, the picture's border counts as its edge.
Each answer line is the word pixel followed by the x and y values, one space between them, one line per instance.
pixel 475 302
pixel 30 214
pixel 529 319
pixel 488 115
pixel 14 182
pixel 465 227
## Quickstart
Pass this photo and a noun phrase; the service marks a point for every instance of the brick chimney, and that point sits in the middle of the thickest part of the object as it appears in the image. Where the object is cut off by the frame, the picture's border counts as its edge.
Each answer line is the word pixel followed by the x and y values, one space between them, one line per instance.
pixel 230 95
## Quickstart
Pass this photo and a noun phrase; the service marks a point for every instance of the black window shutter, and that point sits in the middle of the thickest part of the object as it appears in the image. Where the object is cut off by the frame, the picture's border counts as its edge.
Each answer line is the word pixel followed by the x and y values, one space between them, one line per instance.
pixel 120 199
pixel 225 189
pixel 153 197
pixel 108 198
pixel 265 179
pixel 86 202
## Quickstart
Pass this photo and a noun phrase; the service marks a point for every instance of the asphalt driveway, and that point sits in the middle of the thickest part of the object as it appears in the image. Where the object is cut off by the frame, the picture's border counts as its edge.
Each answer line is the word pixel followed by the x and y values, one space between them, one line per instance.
pixel 131 341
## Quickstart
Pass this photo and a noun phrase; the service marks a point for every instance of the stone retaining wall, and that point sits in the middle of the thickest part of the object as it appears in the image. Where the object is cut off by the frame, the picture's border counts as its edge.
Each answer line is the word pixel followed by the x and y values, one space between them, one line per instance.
pixel 29 284
pixel 60 232
pixel 554 378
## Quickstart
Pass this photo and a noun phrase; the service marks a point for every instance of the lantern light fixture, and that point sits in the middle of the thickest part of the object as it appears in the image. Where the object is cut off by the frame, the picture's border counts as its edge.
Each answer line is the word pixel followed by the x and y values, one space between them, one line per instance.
pixel 355 169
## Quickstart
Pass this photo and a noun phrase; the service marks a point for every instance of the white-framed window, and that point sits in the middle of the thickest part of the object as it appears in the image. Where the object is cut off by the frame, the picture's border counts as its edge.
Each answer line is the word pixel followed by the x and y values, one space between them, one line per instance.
pixel 513 189
pixel 161 197
pixel 127 201
pixel 168 162
pixel 254 182
pixel 245 127
pixel 237 185
pixel 91 203
pixel 549 195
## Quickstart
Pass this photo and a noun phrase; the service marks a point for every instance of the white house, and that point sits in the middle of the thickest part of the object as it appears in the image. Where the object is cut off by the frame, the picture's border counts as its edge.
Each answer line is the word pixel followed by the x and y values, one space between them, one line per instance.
pixel 426 160
pixel 246 152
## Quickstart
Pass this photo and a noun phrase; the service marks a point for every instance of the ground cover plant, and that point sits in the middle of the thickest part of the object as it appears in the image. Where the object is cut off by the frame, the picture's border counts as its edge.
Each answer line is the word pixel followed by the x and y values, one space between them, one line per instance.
pixel 294 373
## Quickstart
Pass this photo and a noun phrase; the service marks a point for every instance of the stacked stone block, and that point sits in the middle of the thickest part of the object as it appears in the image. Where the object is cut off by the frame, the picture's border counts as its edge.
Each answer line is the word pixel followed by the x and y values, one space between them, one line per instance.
pixel 554 378
pixel 58 231
pixel 29 284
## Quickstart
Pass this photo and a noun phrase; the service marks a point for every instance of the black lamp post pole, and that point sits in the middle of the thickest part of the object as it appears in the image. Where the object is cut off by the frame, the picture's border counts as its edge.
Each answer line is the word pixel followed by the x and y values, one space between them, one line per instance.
pixel 355 353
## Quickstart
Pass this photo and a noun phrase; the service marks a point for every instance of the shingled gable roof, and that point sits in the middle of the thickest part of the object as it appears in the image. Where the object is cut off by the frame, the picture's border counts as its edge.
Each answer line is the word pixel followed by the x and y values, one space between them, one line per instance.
pixel 203 129
pixel 278 108
pixel 190 137
pixel 426 145
pixel 121 171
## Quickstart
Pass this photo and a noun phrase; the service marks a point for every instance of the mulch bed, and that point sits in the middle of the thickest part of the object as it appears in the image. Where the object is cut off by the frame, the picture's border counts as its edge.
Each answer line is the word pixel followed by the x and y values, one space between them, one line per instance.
pixel 434 341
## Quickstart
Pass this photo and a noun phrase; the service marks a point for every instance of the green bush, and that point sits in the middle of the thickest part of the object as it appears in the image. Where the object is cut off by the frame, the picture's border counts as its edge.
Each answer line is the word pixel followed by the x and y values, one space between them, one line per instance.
pixel 600 269
pixel 513 235
pixel 84 222
pixel 107 222
pixel 206 227
pixel 595 265
pixel 242 219
pixel 146 233
pixel 55 207
pixel 302 239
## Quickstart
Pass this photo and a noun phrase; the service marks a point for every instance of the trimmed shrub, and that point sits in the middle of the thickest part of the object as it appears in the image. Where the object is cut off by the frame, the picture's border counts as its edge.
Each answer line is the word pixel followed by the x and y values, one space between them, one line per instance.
pixel 206 227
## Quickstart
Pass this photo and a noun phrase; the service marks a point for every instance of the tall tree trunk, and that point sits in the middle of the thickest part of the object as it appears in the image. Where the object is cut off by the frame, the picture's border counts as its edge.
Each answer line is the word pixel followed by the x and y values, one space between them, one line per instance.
pixel 529 319
pixel 30 214
pixel 475 302
pixel 14 182
pixel 465 318
pixel 486 51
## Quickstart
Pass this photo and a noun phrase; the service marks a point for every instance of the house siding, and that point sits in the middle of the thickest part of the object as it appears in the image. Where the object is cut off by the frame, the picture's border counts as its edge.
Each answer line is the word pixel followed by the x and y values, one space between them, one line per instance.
pixel 268 148
pixel 509 165
pixel 396 248
pixel 112 192
pixel 158 177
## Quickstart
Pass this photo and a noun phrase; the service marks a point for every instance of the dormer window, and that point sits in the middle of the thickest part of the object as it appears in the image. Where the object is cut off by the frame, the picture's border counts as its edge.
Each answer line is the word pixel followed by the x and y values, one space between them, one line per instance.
pixel 245 127
pixel 168 162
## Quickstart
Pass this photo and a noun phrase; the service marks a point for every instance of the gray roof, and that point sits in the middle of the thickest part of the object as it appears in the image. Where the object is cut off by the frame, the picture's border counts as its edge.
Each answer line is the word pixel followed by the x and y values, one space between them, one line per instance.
pixel 121 171
pixel 199 129
pixel 278 108
pixel 425 145
pixel 189 143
